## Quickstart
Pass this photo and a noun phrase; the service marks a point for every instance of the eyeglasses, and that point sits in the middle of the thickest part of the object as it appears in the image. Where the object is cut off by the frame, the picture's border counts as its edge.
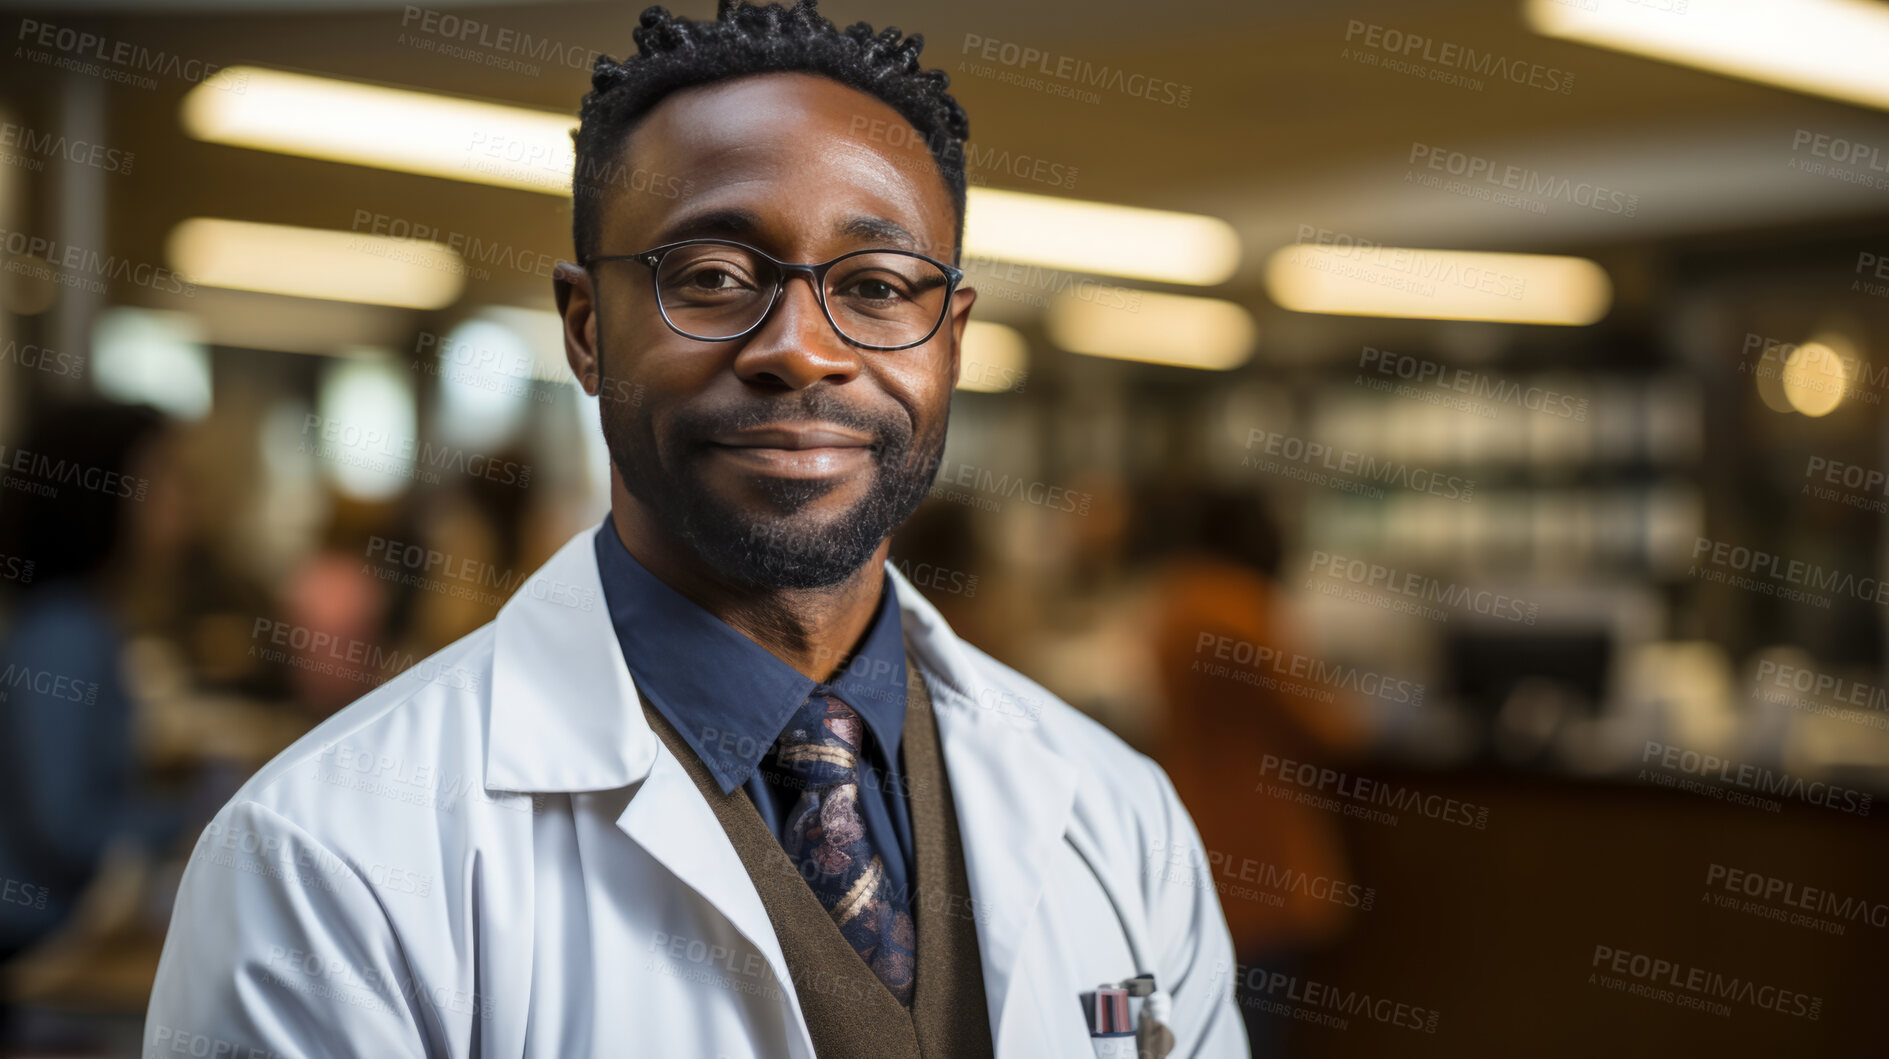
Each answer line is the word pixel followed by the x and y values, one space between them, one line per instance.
pixel 715 290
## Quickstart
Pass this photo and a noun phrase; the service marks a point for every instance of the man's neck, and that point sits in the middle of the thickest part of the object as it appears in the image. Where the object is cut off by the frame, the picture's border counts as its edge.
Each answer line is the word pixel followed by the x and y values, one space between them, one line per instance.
pixel 813 630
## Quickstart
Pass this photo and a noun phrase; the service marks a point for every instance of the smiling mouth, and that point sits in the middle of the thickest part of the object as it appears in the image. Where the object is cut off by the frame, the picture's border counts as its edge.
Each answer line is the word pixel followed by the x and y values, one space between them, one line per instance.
pixel 795 451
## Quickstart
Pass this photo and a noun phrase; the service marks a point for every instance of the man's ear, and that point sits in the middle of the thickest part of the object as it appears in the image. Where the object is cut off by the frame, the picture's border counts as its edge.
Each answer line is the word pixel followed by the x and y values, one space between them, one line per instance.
pixel 577 304
pixel 961 300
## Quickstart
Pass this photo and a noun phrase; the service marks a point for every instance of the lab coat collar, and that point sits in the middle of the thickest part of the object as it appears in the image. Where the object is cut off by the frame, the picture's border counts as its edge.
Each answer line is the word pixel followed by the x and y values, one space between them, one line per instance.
pixel 564 714
pixel 564 717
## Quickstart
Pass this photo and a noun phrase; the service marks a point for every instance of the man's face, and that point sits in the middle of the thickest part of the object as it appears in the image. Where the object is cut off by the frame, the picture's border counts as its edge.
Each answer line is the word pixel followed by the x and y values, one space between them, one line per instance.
pixel 784 458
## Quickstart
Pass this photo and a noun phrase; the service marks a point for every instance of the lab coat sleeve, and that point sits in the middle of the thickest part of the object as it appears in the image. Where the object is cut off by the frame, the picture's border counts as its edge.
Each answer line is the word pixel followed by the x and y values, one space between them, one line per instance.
pixel 1194 949
pixel 278 948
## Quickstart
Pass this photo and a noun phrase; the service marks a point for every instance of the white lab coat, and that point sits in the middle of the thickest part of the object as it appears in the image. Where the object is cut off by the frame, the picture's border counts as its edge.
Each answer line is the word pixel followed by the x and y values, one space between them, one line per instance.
pixel 494 855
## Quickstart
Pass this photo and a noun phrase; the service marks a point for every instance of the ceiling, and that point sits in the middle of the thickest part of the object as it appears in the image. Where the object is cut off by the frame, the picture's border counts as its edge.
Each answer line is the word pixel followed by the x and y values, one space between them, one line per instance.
pixel 1285 126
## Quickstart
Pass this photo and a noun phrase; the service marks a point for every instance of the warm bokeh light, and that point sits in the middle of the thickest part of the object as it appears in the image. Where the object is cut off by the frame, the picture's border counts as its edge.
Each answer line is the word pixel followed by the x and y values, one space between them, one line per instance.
pixel 1816 375
pixel 1101 238
pixel 1363 279
pixel 386 128
pixel 1171 329
pixel 1829 48
pixel 316 263
pixel 993 358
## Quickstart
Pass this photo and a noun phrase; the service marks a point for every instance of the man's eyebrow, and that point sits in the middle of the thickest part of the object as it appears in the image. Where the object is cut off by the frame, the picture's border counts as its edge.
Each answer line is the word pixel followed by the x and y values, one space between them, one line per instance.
pixel 728 221
pixel 878 229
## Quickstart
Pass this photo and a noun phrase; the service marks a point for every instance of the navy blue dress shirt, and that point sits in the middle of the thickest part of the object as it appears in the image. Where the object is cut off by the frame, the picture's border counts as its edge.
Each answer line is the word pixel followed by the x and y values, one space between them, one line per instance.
pixel 730 698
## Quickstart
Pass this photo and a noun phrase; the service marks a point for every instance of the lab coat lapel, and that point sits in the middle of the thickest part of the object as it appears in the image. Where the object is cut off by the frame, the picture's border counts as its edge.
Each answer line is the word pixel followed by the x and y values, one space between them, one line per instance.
pixel 564 715
pixel 1013 799
pixel 670 819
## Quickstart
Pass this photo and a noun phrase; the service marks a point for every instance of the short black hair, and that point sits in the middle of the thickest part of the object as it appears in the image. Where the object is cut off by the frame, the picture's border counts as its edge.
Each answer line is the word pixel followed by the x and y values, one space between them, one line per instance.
pixel 745 39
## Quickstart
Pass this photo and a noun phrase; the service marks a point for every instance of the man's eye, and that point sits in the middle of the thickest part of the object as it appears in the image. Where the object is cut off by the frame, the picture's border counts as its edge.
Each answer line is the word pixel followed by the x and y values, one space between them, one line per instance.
pixel 711 279
pixel 877 290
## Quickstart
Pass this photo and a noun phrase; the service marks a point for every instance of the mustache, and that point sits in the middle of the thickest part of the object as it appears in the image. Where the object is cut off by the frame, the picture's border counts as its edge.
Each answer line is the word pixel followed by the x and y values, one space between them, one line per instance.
pixel 889 431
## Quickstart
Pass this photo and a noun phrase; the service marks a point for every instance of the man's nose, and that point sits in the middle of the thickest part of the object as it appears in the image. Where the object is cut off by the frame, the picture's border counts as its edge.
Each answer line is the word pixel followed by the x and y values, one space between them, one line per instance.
pixel 796 347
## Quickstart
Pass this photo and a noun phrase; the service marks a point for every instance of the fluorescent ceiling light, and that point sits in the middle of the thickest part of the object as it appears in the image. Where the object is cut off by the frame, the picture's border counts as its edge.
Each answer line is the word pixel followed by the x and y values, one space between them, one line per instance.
pixel 1170 329
pixel 1101 238
pixel 1832 48
pixel 316 263
pixel 518 147
pixel 993 358
pixel 386 128
pixel 1363 279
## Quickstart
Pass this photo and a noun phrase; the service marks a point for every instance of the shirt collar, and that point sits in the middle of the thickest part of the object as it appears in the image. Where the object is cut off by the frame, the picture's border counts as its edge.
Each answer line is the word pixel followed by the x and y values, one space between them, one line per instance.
pixel 728 696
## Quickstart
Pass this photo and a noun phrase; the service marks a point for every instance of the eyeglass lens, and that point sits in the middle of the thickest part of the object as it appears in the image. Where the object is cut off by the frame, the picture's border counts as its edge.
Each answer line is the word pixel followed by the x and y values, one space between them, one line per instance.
pixel 715 291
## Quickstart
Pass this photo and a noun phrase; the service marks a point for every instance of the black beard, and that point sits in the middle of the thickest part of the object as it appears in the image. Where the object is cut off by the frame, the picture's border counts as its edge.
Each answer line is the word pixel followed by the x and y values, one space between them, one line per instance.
pixel 768 550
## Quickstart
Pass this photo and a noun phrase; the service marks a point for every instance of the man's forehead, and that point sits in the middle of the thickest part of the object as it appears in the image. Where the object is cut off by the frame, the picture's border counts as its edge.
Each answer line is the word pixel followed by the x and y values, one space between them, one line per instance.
pixel 760 150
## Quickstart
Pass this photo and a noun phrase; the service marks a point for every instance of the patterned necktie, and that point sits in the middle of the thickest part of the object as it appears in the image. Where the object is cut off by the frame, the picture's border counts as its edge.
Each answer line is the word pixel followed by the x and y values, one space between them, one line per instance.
pixel 826 839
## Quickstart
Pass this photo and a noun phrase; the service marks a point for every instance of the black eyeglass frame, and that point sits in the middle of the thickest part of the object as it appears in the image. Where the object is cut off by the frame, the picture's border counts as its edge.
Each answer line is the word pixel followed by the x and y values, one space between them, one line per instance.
pixel 816 276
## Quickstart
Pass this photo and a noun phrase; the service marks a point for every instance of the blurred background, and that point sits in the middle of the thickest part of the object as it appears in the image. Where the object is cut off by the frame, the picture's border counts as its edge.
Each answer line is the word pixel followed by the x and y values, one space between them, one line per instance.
pixel 1448 436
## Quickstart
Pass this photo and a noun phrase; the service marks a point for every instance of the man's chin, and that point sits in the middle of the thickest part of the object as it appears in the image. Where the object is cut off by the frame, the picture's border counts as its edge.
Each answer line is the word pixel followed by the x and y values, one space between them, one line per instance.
pixel 808 548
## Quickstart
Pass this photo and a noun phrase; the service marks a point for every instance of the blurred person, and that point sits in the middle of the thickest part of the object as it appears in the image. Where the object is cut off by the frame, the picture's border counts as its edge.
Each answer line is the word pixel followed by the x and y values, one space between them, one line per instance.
pixel 718 779
pixel 1224 654
pixel 92 501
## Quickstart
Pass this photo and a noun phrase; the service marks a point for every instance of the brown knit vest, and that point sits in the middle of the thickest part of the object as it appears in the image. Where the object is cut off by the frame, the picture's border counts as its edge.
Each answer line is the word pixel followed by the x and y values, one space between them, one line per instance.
pixel 848 1010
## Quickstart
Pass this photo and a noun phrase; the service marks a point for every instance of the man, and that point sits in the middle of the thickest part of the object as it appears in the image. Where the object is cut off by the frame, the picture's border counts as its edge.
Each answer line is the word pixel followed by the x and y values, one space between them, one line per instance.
pixel 720 782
